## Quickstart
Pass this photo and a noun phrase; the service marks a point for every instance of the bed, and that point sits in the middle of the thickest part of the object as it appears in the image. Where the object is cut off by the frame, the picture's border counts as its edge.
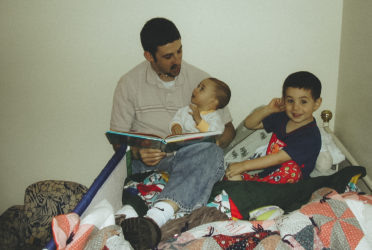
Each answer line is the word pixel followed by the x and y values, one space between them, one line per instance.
pixel 270 228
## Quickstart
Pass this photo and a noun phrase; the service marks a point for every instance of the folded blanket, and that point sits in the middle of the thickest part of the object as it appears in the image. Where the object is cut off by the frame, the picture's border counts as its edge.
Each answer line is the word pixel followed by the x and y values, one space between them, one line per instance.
pixel 72 232
pixel 249 195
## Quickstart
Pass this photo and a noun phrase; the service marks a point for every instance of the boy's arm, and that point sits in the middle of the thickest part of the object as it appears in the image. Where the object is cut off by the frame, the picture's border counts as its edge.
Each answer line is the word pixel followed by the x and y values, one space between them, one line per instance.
pixel 254 120
pixel 266 161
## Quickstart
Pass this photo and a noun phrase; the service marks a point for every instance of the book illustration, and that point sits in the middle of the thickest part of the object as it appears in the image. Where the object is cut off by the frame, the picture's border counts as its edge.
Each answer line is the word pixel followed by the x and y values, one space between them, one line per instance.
pixel 168 144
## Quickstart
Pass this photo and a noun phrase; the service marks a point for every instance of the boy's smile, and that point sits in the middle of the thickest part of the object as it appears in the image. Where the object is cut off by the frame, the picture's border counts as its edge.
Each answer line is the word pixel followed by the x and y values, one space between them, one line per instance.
pixel 299 107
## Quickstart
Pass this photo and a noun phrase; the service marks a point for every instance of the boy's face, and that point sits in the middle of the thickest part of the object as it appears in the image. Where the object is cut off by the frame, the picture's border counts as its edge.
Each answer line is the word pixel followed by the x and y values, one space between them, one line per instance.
pixel 204 95
pixel 300 105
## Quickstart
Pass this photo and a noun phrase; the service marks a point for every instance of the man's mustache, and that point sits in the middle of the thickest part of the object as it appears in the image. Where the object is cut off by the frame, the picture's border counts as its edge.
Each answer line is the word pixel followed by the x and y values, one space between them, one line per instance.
pixel 175 66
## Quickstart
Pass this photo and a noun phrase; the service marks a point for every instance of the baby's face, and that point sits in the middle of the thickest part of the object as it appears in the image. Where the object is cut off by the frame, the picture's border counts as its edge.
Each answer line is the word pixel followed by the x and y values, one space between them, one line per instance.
pixel 204 95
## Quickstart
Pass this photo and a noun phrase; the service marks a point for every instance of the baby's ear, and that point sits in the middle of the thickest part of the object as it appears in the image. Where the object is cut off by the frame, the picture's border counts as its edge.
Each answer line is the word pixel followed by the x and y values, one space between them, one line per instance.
pixel 216 104
pixel 318 102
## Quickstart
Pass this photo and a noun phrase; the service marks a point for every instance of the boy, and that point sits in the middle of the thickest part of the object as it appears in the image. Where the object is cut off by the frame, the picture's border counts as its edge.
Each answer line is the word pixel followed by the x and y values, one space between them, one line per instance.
pixel 295 142
pixel 201 116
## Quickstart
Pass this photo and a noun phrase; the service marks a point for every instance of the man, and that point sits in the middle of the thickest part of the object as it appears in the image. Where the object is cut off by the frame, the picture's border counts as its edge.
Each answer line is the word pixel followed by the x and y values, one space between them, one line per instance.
pixel 145 100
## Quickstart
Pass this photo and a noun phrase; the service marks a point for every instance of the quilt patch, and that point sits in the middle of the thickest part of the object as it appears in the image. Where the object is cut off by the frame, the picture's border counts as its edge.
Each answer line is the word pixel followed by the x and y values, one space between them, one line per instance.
pixel 243 241
pixel 337 226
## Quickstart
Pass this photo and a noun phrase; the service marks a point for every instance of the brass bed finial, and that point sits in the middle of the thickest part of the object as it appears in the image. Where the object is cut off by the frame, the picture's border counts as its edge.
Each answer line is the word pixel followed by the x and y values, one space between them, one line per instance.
pixel 326 116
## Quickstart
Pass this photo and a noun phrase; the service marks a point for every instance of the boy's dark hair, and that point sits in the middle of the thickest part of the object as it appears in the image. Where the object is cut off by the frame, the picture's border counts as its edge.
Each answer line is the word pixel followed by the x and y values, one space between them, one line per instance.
pixel 157 32
pixel 223 92
pixel 303 80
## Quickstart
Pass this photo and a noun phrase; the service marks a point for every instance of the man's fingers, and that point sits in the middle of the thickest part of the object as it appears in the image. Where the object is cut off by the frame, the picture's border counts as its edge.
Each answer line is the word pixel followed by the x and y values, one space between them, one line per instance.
pixel 151 156
pixel 152 161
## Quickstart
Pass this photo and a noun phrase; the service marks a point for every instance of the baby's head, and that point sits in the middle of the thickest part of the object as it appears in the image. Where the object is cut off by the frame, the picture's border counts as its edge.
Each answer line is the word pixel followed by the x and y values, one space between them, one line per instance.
pixel 301 95
pixel 211 94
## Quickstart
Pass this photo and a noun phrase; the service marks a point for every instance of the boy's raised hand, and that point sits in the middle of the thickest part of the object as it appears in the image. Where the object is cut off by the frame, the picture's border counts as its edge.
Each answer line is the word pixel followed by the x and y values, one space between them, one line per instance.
pixel 276 105
pixel 195 113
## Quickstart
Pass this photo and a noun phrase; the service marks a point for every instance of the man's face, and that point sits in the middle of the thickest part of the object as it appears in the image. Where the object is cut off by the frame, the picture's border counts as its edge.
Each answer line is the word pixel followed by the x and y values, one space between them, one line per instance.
pixel 168 59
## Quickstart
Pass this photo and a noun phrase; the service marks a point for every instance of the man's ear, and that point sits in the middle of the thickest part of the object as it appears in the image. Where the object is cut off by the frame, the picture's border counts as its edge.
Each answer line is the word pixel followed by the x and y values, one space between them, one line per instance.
pixel 318 102
pixel 148 56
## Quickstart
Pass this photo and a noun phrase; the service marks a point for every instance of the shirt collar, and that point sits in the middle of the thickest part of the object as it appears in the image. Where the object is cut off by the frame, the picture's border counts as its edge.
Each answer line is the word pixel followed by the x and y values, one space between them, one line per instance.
pixel 153 78
pixel 207 112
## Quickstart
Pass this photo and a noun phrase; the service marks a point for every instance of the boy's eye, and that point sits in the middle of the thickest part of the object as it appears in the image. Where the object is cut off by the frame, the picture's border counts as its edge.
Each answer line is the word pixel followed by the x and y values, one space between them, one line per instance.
pixel 303 101
pixel 289 101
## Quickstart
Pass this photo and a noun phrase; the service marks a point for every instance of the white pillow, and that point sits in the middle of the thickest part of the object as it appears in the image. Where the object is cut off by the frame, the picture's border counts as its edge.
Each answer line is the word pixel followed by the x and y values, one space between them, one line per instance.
pixel 329 155
pixel 329 145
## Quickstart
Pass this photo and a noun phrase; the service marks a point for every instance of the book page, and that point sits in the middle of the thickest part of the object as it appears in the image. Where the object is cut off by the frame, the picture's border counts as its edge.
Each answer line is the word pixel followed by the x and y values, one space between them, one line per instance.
pixel 190 136
pixel 139 135
pixel 135 139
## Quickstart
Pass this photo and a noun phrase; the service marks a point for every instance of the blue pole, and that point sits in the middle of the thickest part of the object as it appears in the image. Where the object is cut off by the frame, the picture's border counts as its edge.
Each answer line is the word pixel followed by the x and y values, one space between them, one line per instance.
pixel 98 182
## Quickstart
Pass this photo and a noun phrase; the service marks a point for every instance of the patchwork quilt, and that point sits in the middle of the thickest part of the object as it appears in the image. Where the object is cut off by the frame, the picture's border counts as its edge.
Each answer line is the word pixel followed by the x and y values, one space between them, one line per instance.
pixel 326 222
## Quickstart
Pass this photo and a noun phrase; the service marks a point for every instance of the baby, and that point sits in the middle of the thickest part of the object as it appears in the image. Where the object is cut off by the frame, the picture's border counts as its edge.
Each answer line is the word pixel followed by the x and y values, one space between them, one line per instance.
pixel 201 115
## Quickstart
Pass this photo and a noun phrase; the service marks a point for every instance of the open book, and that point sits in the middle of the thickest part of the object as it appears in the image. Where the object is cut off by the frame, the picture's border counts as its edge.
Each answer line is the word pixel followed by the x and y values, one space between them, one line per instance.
pixel 168 144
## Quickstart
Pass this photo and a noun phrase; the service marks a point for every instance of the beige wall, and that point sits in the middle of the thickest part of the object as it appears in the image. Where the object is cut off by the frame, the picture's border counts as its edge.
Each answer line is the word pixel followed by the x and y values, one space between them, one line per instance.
pixel 60 61
pixel 353 113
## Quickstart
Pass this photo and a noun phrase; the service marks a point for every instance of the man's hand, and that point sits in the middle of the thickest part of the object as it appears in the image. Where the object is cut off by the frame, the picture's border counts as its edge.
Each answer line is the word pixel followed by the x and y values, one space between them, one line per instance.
pixel 150 156
pixel 195 113
pixel 176 129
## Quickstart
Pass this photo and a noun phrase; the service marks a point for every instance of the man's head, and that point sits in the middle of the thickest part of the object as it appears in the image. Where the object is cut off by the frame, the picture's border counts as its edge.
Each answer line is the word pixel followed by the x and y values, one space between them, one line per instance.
pixel 301 95
pixel 161 42
pixel 158 32
pixel 211 94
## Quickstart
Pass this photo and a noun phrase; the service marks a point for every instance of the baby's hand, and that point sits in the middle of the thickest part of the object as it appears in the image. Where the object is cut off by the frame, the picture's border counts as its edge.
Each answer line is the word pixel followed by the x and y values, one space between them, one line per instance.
pixel 195 113
pixel 176 129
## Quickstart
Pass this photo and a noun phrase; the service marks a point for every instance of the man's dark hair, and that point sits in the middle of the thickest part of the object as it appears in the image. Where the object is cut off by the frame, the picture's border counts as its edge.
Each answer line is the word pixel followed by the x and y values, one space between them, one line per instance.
pixel 157 32
pixel 303 80
pixel 223 92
